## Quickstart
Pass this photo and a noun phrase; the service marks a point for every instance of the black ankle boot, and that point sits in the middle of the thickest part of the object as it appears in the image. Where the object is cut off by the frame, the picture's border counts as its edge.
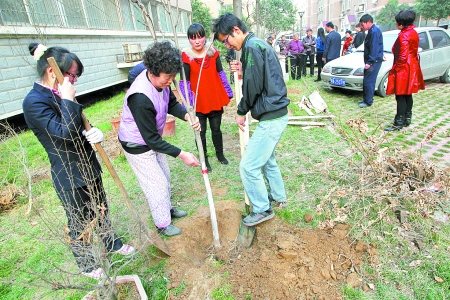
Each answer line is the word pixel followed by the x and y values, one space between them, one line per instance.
pixel 208 166
pixel 398 123
pixel 221 158
pixel 408 117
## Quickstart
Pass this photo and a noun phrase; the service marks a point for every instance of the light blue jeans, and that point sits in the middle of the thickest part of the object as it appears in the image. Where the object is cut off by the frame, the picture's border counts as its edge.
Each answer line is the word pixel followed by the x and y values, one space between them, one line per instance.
pixel 259 158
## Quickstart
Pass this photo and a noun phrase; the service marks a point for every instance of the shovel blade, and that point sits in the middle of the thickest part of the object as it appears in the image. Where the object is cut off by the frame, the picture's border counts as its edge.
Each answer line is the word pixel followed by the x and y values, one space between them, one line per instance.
pixel 246 235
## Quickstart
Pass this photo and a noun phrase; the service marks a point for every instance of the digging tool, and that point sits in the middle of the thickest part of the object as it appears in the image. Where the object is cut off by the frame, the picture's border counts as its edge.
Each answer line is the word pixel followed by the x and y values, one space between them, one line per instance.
pixel 245 233
pixel 152 237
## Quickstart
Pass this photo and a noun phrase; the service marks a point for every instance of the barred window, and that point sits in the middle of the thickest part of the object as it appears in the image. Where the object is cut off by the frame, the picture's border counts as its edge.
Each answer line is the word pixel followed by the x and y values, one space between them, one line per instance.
pixel 127 17
pixel 138 16
pixel 13 12
pixel 44 13
pixel 74 13
pixel 164 25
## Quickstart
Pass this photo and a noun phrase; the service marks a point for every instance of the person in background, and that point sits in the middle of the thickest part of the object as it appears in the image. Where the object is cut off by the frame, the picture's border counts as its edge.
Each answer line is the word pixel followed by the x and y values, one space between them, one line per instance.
pixel 309 49
pixel 347 43
pixel 320 47
pixel 405 77
pixel 135 71
pixel 264 94
pixel 294 50
pixel 56 120
pixel 283 45
pixel 358 40
pixel 269 40
pixel 373 57
pixel 214 91
pixel 146 105
pixel 332 45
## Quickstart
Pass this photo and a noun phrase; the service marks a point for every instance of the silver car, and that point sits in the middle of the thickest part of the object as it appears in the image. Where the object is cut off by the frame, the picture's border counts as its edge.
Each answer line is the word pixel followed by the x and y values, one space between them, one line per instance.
pixel 347 71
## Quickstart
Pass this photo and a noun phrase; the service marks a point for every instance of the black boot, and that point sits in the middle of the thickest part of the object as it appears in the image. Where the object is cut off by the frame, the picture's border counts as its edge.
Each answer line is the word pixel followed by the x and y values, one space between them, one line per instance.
pixel 398 123
pixel 208 166
pixel 408 117
pixel 218 144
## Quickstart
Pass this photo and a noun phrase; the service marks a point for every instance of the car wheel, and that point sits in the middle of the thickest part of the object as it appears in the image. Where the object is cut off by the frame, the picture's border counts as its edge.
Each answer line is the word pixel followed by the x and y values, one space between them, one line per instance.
pixel 382 87
pixel 446 77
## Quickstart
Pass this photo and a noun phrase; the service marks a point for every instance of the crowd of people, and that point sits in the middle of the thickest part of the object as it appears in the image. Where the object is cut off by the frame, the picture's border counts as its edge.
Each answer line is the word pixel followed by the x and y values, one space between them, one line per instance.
pixel 57 120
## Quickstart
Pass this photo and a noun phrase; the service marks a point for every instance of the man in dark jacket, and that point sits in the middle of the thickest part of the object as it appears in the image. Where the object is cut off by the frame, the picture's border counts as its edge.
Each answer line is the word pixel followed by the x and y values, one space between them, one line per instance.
pixel 264 95
pixel 373 57
pixel 359 37
pixel 333 44
pixel 137 69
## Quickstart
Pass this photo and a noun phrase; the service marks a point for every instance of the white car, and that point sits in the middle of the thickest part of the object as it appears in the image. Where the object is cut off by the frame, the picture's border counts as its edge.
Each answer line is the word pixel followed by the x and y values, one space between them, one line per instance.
pixel 347 71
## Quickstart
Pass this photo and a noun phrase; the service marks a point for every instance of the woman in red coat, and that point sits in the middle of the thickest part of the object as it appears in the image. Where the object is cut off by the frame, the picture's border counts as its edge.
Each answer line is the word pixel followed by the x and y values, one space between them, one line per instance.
pixel 405 77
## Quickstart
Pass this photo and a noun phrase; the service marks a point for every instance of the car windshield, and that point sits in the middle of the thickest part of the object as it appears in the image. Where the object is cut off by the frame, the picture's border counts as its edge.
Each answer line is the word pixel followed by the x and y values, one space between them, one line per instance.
pixel 388 42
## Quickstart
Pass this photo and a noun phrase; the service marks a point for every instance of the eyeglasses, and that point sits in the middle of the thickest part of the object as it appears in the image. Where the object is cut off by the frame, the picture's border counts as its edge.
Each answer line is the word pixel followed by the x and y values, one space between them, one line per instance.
pixel 225 41
pixel 72 75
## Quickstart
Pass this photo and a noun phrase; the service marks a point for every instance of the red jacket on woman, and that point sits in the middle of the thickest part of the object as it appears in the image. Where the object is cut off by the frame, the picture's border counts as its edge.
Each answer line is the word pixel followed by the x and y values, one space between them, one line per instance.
pixel 406 77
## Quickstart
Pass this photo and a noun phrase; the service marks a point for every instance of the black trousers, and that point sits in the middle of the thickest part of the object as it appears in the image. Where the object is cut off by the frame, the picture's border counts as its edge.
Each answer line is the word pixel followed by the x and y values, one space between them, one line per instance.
pixel 320 64
pixel 296 66
pixel 82 205
pixel 215 121
pixel 404 104
pixel 311 64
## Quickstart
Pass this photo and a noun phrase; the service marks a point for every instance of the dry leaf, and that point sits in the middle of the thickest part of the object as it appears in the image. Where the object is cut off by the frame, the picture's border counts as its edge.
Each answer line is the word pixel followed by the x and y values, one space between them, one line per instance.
pixel 371 286
pixel 415 263
pixel 438 279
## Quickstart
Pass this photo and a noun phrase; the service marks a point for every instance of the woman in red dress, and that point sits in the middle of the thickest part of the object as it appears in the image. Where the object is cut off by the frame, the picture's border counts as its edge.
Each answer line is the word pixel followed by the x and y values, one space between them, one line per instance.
pixel 214 91
pixel 405 77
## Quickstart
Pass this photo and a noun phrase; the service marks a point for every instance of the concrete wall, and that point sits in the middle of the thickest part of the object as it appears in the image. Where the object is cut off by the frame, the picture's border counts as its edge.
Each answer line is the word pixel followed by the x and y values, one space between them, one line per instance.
pixel 97 49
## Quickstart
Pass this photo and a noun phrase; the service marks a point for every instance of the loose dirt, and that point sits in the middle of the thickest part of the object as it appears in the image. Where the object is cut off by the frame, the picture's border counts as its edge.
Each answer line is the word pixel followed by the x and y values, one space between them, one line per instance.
pixel 283 262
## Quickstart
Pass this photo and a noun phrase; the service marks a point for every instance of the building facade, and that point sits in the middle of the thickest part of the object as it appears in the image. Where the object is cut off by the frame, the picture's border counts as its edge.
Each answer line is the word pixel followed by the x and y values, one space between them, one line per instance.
pixel 107 35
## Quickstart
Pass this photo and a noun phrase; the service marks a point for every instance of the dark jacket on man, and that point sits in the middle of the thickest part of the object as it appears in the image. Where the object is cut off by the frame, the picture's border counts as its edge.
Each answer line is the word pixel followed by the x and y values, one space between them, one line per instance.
pixel 264 90
pixel 373 46
pixel 333 46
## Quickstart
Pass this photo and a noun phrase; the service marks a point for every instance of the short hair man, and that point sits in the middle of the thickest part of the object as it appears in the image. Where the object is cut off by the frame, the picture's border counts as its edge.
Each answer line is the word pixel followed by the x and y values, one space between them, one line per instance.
pixel 265 96
pixel 333 44
pixel 359 37
pixel 373 57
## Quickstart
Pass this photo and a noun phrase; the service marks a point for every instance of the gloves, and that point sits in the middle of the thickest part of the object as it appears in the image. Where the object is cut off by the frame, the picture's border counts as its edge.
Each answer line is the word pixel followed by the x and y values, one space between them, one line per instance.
pixel 94 135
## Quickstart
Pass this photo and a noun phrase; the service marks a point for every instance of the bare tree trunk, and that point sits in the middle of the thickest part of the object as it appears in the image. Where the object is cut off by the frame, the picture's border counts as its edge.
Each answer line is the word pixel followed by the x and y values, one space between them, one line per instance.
pixel 237 8
pixel 257 18
pixel 148 20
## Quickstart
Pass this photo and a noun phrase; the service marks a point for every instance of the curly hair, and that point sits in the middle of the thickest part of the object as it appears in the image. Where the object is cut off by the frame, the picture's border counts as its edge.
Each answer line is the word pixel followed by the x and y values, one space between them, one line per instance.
pixel 162 57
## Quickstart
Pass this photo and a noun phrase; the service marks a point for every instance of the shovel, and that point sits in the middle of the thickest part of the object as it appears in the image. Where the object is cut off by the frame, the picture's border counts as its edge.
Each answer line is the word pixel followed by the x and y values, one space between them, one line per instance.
pixel 246 233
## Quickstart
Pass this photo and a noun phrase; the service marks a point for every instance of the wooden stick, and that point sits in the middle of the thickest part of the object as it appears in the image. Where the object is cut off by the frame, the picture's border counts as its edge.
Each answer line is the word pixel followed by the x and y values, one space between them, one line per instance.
pixel 154 238
pixel 311 117
pixel 299 123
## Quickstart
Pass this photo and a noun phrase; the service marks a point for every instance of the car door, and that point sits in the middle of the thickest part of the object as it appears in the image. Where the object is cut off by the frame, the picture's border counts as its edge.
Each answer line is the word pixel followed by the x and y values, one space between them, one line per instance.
pixel 441 51
pixel 426 55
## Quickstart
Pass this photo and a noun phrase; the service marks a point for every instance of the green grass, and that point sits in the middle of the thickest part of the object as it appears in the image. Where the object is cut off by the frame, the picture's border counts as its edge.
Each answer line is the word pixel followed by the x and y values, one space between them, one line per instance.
pixel 313 162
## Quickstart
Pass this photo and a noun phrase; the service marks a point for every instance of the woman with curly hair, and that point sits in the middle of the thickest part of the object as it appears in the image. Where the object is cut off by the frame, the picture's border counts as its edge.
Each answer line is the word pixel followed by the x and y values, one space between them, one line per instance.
pixel 145 107
pixel 214 91
pixel 56 120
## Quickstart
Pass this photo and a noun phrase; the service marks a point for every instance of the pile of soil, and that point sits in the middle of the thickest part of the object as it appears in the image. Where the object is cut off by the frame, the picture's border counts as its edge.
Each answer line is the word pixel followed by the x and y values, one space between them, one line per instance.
pixel 282 263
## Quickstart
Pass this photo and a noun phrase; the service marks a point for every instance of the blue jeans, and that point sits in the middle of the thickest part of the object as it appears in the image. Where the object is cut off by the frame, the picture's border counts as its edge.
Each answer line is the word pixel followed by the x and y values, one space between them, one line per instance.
pixel 259 158
pixel 370 77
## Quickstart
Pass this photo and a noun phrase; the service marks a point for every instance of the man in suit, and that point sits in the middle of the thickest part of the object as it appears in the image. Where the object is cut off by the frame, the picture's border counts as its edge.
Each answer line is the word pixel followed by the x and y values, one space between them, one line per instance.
pixel 373 57
pixel 333 44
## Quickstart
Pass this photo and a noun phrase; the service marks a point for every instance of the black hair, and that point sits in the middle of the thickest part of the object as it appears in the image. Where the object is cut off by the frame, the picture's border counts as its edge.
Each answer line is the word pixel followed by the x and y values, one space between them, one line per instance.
pixel 358 25
pixel 405 17
pixel 321 34
pixel 162 57
pixel 225 24
pixel 63 57
pixel 348 31
pixel 196 30
pixel 330 24
pixel 366 18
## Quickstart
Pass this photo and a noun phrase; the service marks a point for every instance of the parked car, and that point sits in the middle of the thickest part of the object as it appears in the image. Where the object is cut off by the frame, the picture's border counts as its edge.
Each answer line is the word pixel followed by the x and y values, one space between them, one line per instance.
pixel 347 71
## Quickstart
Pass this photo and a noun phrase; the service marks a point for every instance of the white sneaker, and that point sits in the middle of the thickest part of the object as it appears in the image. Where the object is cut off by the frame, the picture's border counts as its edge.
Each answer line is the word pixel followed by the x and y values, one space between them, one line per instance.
pixel 95 274
pixel 125 250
